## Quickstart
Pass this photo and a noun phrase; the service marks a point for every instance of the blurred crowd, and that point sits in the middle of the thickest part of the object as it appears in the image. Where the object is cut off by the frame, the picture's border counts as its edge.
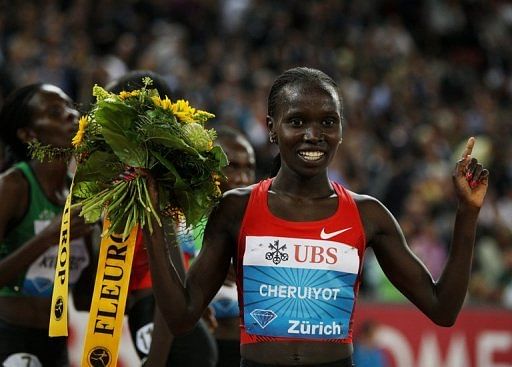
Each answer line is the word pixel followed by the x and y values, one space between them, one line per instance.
pixel 418 78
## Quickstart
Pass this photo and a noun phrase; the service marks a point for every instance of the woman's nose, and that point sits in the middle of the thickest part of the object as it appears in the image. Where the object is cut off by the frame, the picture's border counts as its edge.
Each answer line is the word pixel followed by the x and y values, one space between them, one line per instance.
pixel 313 134
pixel 241 179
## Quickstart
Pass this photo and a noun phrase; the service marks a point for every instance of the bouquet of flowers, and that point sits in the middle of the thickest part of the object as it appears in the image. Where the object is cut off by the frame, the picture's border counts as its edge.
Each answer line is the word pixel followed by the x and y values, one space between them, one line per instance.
pixel 127 135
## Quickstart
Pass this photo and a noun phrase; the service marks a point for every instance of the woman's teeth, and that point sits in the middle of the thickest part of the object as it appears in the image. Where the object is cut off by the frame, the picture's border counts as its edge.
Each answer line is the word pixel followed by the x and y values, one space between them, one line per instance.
pixel 311 156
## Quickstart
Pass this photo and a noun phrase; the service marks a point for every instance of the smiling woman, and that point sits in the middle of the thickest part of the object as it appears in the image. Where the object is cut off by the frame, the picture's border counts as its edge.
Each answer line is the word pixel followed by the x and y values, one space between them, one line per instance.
pixel 297 241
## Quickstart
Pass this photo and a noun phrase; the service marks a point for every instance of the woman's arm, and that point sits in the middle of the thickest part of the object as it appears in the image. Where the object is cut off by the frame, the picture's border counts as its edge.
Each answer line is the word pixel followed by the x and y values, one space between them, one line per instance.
pixel 14 195
pixel 440 300
pixel 183 303
pixel 161 342
pixel 83 289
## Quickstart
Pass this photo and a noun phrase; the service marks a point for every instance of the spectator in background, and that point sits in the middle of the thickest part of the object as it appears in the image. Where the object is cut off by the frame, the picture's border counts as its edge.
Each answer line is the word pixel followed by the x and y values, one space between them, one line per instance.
pixel 367 353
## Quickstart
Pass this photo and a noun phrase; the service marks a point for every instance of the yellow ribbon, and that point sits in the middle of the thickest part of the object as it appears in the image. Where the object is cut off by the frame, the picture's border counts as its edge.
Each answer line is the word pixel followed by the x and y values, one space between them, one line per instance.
pixel 59 307
pixel 101 346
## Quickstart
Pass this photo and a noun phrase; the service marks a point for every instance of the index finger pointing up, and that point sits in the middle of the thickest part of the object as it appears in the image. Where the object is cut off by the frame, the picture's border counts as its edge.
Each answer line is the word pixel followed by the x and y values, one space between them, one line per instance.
pixel 469 148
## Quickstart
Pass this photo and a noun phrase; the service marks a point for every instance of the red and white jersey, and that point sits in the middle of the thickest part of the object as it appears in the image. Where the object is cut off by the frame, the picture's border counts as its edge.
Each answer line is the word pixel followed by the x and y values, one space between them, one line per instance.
pixel 298 280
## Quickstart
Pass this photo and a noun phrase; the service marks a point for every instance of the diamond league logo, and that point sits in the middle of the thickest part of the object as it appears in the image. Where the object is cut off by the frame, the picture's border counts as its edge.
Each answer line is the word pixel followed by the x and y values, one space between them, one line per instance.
pixel 263 317
pixel 58 308
pixel 99 357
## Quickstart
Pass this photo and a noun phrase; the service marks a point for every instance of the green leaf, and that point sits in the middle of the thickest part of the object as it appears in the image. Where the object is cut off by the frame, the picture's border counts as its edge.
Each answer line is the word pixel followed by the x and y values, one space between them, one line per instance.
pixel 127 147
pixel 219 156
pixel 115 115
pixel 93 215
pixel 179 183
pixel 118 128
pixel 160 135
pixel 100 166
pixel 85 189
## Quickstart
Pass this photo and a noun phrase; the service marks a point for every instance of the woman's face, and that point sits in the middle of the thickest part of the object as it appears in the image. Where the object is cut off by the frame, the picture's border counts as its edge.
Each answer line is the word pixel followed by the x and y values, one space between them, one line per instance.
pixel 307 126
pixel 54 117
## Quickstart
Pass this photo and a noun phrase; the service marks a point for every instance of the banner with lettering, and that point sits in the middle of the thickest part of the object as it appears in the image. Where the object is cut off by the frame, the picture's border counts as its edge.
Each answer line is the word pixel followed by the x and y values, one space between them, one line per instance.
pixel 481 336
pixel 59 307
pixel 101 346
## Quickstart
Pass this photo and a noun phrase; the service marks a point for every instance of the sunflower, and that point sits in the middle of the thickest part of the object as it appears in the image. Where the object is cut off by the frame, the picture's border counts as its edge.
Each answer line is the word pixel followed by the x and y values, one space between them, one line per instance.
pixel 79 137
pixel 124 94
pixel 185 113
pixel 165 103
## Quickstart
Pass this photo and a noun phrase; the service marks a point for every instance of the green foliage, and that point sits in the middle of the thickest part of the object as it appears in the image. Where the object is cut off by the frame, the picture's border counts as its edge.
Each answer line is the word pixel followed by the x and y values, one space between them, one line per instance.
pixel 128 135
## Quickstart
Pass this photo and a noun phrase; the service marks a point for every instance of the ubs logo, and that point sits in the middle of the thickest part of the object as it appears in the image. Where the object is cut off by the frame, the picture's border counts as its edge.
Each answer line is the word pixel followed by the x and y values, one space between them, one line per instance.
pixel 99 357
pixel 58 308
pixel 276 253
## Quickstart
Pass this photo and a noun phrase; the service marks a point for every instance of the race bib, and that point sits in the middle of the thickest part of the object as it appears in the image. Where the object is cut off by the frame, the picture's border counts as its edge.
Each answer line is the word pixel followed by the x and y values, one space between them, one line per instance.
pixel 298 288
pixel 40 275
pixel 22 360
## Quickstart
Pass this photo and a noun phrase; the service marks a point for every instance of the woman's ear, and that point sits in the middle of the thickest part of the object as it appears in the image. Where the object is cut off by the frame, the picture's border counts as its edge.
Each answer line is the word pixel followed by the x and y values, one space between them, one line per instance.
pixel 270 123
pixel 272 136
pixel 26 134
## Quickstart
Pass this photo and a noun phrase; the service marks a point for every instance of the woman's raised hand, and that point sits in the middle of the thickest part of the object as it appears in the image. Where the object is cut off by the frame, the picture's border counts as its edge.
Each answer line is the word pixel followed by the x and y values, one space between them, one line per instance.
pixel 470 178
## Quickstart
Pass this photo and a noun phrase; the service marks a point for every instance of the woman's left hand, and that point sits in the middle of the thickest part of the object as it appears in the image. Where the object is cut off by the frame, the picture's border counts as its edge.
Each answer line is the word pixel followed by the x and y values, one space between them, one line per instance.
pixel 470 178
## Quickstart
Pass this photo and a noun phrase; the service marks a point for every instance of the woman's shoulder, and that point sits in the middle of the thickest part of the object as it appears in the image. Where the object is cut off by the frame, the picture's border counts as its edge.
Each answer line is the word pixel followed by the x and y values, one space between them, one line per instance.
pixel 367 204
pixel 373 213
pixel 231 208
pixel 362 198
pixel 237 198
pixel 235 201
pixel 14 192
pixel 13 182
pixel 239 193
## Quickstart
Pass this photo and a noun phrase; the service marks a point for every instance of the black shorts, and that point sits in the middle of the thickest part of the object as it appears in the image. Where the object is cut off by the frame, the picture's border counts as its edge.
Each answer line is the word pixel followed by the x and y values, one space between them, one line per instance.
pixel 197 348
pixel 347 362
pixel 22 346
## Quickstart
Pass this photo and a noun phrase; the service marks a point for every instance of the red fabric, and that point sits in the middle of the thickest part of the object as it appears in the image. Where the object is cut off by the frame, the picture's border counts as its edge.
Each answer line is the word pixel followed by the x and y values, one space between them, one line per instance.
pixel 140 277
pixel 259 221
pixel 187 259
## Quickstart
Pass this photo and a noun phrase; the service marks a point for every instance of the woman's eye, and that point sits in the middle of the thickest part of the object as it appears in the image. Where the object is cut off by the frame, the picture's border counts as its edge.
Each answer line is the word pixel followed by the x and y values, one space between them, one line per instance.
pixel 328 122
pixel 296 122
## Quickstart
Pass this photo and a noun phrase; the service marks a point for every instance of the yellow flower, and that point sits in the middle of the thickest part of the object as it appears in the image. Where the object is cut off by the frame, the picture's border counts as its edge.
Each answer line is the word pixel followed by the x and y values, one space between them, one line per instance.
pixel 183 112
pixel 124 94
pixel 100 93
pixel 157 101
pixel 216 180
pixel 202 116
pixel 165 103
pixel 79 137
pixel 188 114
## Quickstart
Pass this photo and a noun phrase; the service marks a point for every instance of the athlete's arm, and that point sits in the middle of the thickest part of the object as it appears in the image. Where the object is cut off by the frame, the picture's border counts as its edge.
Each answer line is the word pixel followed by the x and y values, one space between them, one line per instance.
pixel 14 194
pixel 161 342
pixel 15 200
pixel 83 289
pixel 183 303
pixel 440 300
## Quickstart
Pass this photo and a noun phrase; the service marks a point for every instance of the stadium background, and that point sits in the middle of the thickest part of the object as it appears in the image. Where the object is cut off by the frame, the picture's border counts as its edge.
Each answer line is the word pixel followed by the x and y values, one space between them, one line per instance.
pixel 417 77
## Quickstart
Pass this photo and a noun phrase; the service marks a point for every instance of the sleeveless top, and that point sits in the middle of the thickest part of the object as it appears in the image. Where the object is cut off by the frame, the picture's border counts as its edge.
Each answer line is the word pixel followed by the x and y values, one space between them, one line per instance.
pixel 37 280
pixel 298 281
pixel 140 277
